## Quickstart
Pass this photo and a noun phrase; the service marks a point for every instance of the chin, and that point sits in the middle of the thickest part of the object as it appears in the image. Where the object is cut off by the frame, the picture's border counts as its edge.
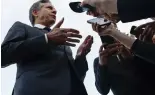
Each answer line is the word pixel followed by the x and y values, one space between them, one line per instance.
pixel 52 22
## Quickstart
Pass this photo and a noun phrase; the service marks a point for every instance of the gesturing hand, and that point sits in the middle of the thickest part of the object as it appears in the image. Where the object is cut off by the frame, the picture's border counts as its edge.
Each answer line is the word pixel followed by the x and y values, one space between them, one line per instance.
pixel 85 47
pixel 63 36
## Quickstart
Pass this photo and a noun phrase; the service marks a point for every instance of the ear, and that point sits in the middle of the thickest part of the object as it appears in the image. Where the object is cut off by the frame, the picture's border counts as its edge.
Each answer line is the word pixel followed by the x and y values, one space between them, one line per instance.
pixel 35 13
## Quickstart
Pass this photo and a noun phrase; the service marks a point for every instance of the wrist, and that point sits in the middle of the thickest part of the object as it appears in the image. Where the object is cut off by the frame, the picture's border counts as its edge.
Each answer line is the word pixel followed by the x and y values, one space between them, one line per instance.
pixel 101 63
pixel 48 36
pixel 80 56
pixel 50 39
pixel 114 33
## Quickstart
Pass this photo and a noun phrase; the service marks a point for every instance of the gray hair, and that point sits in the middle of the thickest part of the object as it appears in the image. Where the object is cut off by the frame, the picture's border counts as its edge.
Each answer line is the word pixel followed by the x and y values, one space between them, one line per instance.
pixel 35 6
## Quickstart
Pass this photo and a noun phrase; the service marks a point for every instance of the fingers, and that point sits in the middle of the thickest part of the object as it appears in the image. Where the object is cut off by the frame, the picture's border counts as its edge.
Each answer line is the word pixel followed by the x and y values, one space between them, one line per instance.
pixel 86 45
pixel 114 45
pixel 93 27
pixel 99 29
pixel 101 48
pixel 73 35
pixel 146 34
pixel 69 44
pixel 58 25
pixel 145 30
pixel 110 49
pixel 90 13
pixel 86 39
pixel 142 36
pixel 143 26
pixel 72 40
pixel 109 52
pixel 66 30
pixel 89 43
pixel 139 28
pixel 93 13
pixel 96 27
pixel 114 50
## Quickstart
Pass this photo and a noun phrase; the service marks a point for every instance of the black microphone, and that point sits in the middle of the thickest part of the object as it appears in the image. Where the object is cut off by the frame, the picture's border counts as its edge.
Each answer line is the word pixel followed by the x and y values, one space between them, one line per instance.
pixel 76 7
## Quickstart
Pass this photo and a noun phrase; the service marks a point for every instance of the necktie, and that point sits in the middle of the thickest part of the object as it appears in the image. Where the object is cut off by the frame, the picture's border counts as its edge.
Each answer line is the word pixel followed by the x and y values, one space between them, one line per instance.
pixel 47 29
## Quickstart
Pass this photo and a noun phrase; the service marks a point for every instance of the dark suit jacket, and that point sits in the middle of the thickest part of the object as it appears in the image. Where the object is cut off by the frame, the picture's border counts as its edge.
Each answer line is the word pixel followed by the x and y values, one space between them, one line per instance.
pixel 129 77
pixel 131 10
pixel 144 50
pixel 42 68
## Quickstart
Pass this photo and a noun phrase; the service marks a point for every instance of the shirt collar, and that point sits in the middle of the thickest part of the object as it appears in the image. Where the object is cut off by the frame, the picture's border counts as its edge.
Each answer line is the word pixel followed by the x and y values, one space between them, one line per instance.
pixel 39 26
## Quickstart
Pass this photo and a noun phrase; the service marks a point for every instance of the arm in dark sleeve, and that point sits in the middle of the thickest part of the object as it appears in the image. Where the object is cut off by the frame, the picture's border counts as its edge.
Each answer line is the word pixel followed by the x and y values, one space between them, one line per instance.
pixel 132 10
pixel 17 46
pixel 101 78
pixel 81 65
pixel 144 50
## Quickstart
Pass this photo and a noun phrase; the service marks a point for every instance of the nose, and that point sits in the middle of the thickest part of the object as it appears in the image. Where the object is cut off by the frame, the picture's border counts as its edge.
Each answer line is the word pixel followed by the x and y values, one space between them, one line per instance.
pixel 54 11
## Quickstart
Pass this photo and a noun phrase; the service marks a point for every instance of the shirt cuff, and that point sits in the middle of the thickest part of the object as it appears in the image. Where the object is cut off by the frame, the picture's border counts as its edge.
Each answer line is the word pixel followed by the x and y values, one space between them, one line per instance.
pixel 46 38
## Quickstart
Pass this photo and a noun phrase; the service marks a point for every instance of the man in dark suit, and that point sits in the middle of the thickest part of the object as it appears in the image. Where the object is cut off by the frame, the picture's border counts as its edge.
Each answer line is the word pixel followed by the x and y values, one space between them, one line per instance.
pixel 45 65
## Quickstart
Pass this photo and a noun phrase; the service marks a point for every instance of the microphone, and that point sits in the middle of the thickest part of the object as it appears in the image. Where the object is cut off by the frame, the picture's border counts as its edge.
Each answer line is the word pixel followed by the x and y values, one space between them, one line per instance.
pixel 76 7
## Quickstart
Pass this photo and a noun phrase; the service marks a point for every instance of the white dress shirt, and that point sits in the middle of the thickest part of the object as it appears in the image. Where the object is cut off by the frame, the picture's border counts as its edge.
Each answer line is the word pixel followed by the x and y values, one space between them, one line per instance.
pixel 41 27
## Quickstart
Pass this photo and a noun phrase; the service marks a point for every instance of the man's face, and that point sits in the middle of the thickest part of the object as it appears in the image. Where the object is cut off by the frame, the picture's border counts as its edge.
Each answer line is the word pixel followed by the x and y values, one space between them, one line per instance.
pixel 47 14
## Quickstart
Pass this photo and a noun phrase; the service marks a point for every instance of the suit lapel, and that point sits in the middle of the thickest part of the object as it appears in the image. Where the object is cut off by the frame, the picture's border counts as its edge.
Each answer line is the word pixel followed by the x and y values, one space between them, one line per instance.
pixel 71 60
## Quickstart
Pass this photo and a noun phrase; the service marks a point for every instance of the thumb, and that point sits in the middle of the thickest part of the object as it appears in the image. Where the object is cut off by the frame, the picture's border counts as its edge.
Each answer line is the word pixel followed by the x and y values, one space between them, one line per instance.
pixel 58 25
pixel 86 39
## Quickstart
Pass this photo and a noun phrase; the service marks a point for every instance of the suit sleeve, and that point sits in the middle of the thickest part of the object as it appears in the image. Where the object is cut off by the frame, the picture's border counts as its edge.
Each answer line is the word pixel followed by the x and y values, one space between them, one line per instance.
pixel 132 10
pixel 16 46
pixel 101 78
pixel 144 50
pixel 81 65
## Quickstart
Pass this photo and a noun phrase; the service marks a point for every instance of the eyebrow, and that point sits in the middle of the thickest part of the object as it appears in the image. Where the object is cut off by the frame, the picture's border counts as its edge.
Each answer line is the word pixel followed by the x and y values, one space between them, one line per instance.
pixel 49 7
